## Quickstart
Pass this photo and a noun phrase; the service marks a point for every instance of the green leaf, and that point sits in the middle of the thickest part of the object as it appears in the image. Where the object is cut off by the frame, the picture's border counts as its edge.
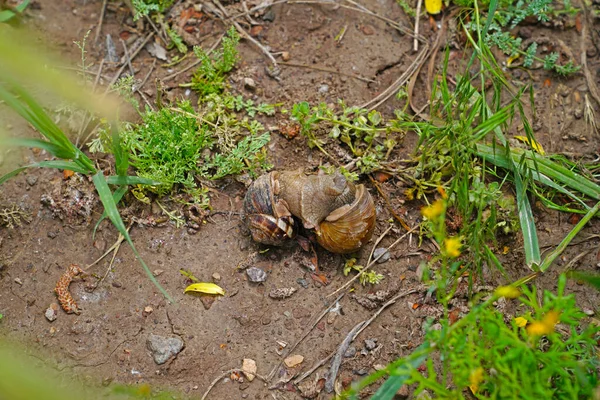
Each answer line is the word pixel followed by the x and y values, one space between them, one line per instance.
pixel 113 214
pixel 117 196
pixel 131 180
pixel 7 15
pixel 590 279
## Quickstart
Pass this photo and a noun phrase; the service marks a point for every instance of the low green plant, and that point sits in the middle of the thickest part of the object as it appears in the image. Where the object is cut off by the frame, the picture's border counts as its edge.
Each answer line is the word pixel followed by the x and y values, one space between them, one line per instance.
pixel 143 8
pixel 365 133
pixel 210 76
pixel 371 277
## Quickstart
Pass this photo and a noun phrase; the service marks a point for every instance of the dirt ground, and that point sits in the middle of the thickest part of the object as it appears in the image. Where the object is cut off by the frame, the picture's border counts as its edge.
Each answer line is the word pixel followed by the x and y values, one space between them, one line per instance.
pixel 107 342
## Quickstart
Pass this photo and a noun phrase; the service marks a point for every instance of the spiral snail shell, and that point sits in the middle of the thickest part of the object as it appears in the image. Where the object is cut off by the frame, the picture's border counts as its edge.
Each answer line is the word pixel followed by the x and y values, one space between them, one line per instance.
pixel 342 214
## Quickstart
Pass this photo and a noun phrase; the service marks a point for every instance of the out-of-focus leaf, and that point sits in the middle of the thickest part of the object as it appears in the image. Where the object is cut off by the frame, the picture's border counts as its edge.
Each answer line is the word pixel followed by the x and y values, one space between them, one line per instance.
pixel 205 287
pixel 590 279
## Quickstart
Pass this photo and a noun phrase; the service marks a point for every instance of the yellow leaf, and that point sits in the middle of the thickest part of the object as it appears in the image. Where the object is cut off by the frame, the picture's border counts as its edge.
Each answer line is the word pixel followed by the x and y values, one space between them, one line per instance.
pixel 534 145
pixel 512 59
pixel 521 322
pixel 205 287
pixel 475 378
pixel 433 6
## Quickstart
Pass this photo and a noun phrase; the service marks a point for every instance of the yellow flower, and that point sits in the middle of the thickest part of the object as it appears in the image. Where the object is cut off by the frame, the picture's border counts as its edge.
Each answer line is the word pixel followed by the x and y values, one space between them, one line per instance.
pixel 452 246
pixel 442 192
pixel 521 322
pixel 433 211
pixel 510 292
pixel 545 326
pixel 475 379
pixel 433 6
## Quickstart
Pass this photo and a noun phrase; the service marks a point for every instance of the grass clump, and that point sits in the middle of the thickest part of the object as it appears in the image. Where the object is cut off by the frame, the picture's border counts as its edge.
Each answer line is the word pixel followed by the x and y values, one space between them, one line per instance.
pixel 210 76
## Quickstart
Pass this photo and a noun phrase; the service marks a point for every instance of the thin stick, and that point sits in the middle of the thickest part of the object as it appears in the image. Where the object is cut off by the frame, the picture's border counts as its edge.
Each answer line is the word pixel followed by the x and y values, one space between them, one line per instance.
pixel 112 260
pixel 324 69
pixel 388 204
pixel 306 333
pixel 127 59
pixel 147 75
pixel 224 375
pixel 355 277
pixel 386 94
pixel 100 21
pixel 337 359
pixel 383 307
pixel 417 17
pixel 317 365
pixel 107 252
pixel 133 55
pixel 379 239
pixel 192 65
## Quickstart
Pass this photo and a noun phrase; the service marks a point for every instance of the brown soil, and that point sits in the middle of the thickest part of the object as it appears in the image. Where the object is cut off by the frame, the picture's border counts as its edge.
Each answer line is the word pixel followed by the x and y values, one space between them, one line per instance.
pixel 107 341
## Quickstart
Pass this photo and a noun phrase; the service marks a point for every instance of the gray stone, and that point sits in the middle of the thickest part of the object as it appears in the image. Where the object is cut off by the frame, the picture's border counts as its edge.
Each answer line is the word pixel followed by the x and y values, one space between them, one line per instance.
pixel 256 275
pixel 383 252
pixel 249 84
pixel 163 348
pixel 350 352
pixel 370 344
pixel 31 180
pixel 323 89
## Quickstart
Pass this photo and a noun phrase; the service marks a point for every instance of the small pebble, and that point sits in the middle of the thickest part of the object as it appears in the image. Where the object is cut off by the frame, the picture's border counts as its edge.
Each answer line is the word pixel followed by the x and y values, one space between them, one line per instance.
pixel 302 282
pixel 350 352
pixel 361 372
pixel 287 314
pixel 51 312
pixel 249 368
pixel 147 311
pixel 256 275
pixel 31 180
pixel 370 344
pixel 157 272
pixel 282 293
pixel 589 312
pixel 285 56
pixel 323 89
pixel 383 252
pixel 249 84
pixel 51 234
pixel 293 360
pixel 269 16
pixel 378 367
pixel 216 277
pixel 19 281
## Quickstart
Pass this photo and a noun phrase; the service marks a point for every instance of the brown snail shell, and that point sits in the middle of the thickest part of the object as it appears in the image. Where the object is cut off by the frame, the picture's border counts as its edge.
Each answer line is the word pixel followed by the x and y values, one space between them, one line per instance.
pixel 349 227
pixel 267 219
pixel 343 215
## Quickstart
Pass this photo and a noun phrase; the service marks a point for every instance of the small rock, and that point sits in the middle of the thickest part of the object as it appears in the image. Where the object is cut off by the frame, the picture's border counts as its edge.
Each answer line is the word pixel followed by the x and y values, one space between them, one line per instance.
pixel 282 293
pixel 361 372
pixel 578 113
pixel 293 360
pixel 370 344
pixel 256 30
pixel 402 393
pixel 163 348
pixel 367 30
pixel 51 234
pixel 378 367
pixel 287 314
pixel 256 275
pixel 436 327
pixel 18 281
pixel 525 32
pixel 31 180
pixel 323 89
pixel 52 331
pixel 588 311
pixel 147 311
pixel 303 282
pixel 51 312
pixel 285 56
pixel 350 352
pixel 269 16
pixel 383 252
pixel 157 272
pixel 249 84
pixel 207 301
pixel 249 368
pixel 563 90
pixel 216 277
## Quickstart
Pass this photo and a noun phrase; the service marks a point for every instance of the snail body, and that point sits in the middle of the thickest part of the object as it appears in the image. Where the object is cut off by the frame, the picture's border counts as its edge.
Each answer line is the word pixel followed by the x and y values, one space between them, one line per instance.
pixel 342 214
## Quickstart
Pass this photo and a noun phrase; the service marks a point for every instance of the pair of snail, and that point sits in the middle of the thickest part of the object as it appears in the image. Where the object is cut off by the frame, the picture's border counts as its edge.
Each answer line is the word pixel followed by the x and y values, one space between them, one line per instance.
pixel 341 214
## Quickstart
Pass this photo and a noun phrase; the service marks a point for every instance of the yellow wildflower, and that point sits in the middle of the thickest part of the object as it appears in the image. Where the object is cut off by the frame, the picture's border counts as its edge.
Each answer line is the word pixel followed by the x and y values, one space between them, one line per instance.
pixel 510 292
pixel 475 379
pixel 434 210
pixel 433 6
pixel 442 192
pixel 545 325
pixel 521 322
pixel 452 246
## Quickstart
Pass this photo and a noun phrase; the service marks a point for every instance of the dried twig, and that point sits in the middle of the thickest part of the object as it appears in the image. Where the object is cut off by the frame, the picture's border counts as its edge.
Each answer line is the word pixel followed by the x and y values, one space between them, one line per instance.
pixel 224 375
pixel 417 17
pixel 316 366
pixel 306 333
pixel 389 205
pixel 131 57
pixel 331 70
pixel 337 359
pixel 100 21
pixel 386 305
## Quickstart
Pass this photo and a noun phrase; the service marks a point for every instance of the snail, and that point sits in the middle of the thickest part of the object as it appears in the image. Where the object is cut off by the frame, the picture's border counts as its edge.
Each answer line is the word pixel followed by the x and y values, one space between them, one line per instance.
pixel 341 214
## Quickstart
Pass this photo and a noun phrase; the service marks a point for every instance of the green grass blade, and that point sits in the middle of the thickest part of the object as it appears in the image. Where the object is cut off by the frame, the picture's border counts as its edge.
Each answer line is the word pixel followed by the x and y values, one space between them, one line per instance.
pixel 530 238
pixel 9 175
pixel 7 15
pixel 110 207
pixel 565 242
pixel 117 196
pixel 131 180
pixel 51 148
pixel 121 156
pixel 590 279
